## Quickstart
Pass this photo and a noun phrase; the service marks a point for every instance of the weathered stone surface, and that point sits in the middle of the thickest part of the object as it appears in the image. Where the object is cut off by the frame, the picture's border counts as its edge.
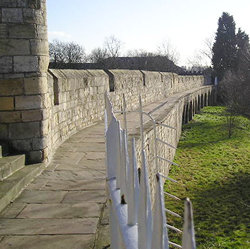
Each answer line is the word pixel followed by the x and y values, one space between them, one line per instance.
pixel 12 210
pixel 36 196
pixel 10 117
pixel 24 130
pixel 13 3
pixel 28 102
pixel 34 16
pixel 25 64
pixel 65 211
pixel 14 47
pixel 39 47
pixel 39 143
pixel 48 226
pixel 5 64
pixel 4 131
pixel 35 156
pixel 75 185
pixel 6 103
pixel 32 115
pixel 48 242
pixel 26 144
pixel 22 31
pixel 35 85
pixel 98 196
pixel 11 87
pixel 12 15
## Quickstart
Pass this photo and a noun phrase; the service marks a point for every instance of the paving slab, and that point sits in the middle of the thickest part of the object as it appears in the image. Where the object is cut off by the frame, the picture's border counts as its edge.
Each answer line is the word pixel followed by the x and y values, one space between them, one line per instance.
pixel 64 211
pixel 97 196
pixel 48 242
pixel 48 226
pixel 58 184
pixel 42 197
pixel 13 210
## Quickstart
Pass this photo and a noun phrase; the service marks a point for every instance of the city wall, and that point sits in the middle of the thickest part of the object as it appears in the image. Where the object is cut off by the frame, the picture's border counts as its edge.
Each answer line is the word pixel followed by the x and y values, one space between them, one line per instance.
pixel 41 108
pixel 76 97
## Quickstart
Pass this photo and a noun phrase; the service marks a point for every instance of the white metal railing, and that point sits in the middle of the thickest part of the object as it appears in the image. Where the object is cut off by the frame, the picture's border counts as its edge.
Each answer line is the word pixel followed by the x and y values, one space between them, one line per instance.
pixel 134 224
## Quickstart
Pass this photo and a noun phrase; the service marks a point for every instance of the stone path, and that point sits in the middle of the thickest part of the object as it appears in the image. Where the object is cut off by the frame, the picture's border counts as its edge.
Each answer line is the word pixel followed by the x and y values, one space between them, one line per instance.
pixel 61 208
pixel 64 208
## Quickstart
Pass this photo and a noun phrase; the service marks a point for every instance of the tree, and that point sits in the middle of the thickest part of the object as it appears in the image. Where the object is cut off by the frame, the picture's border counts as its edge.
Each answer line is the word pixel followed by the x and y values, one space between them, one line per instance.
pixel 56 51
pixel 113 46
pixel 167 50
pixel 66 52
pixel 224 48
pixel 140 53
pixel 97 55
pixel 74 53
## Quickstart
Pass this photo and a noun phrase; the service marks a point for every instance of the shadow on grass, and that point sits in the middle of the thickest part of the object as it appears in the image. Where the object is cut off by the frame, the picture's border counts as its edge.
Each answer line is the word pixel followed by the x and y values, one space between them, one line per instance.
pixel 223 208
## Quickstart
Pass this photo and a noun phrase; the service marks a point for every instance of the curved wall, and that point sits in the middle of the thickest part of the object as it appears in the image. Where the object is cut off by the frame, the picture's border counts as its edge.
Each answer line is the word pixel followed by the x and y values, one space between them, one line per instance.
pixel 77 96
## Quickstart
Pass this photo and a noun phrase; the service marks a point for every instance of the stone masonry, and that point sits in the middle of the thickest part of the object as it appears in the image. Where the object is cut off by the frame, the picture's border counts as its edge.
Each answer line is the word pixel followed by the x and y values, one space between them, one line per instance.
pixel 23 76
pixel 40 109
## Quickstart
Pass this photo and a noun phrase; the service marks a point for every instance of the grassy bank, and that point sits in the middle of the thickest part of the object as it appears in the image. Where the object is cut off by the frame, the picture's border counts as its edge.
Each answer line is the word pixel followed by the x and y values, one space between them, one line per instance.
pixel 215 175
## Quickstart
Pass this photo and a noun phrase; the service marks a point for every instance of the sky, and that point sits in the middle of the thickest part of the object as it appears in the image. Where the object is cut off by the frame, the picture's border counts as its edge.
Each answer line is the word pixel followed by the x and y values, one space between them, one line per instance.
pixel 143 24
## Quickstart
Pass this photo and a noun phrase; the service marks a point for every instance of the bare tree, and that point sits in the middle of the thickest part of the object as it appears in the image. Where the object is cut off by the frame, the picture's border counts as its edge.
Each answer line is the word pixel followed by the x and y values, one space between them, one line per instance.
pixel 166 49
pixel 66 52
pixel 140 53
pixel 56 51
pixel 113 46
pixel 97 55
pixel 74 53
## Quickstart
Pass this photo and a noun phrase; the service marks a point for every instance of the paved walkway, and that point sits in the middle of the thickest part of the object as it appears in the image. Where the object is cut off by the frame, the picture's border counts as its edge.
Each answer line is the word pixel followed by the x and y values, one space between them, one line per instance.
pixel 64 207
pixel 61 208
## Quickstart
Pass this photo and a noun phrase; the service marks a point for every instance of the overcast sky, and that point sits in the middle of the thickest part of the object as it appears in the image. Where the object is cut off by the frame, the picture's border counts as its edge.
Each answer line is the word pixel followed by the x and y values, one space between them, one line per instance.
pixel 143 24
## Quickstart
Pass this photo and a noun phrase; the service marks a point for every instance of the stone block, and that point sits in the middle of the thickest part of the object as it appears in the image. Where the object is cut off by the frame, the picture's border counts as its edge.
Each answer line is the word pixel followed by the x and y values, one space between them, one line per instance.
pixel 12 3
pixel 33 115
pixel 45 127
pixel 33 16
pixel 6 103
pixel 14 47
pixel 41 32
pixel 12 15
pixel 39 47
pixel 10 117
pixel 43 63
pixel 25 64
pixel 24 130
pixel 35 156
pixel 22 145
pixel 84 241
pixel 3 131
pixel 35 85
pixel 34 4
pixel 11 87
pixel 3 30
pixel 5 64
pixel 28 102
pixel 22 31
pixel 39 143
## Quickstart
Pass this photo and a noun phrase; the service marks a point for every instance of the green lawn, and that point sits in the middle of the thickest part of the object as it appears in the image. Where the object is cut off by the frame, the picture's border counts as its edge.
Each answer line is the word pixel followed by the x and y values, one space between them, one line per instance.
pixel 215 175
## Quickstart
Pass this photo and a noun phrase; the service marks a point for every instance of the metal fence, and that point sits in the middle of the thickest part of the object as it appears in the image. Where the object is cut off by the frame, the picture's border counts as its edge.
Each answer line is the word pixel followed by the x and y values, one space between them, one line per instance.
pixel 134 223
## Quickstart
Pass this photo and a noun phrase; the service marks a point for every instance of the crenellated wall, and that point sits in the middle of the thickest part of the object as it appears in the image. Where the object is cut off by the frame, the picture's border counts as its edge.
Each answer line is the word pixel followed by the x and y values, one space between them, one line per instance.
pixel 39 109
pixel 76 97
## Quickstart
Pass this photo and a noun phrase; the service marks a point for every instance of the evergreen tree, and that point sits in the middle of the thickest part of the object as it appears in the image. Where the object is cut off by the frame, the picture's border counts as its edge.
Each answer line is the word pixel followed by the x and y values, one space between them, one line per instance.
pixel 224 48
pixel 242 49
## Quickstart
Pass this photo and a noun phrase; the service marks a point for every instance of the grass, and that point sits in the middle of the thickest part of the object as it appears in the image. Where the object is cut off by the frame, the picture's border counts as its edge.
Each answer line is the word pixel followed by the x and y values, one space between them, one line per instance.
pixel 215 175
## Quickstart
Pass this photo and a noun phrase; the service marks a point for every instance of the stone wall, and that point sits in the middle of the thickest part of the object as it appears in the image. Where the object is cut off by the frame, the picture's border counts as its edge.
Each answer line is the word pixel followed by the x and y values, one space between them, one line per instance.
pixel 40 109
pixel 23 76
pixel 76 97
pixel 171 114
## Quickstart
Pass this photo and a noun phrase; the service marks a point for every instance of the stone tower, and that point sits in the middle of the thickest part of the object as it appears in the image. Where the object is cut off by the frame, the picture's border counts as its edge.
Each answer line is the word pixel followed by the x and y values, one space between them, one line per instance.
pixel 24 60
